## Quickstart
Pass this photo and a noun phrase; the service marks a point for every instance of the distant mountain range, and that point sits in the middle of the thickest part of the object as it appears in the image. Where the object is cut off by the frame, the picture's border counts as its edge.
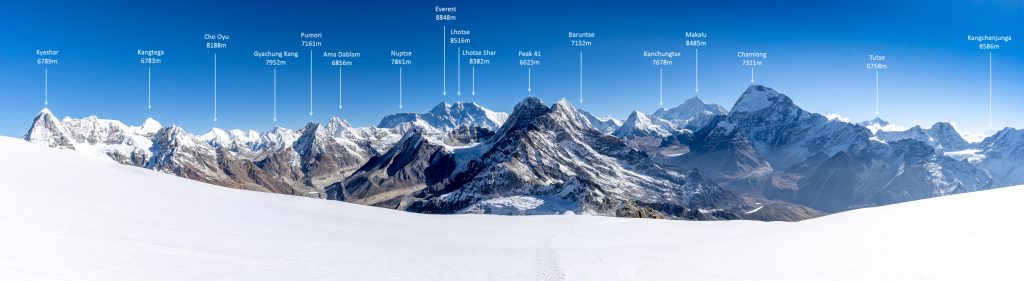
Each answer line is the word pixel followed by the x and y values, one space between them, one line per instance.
pixel 765 158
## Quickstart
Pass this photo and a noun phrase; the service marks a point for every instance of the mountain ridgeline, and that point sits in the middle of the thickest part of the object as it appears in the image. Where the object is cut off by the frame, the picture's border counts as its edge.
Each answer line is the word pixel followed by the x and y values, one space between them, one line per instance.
pixel 764 159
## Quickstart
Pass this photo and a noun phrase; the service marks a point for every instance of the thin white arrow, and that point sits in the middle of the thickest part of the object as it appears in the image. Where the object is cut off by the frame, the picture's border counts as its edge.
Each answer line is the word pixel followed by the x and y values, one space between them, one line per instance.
pixel 474 81
pixel 529 80
pixel 444 60
pixel 310 82
pixel 275 94
pixel 214 87
pixel 661 87
pixel 876 93
pixel 458 73
pixel 339 87
pixel 581 77
pixel 696 70
pixel 149 87
pixel 751 75
pixel 399 87
pixel 46 86
pixel 990 89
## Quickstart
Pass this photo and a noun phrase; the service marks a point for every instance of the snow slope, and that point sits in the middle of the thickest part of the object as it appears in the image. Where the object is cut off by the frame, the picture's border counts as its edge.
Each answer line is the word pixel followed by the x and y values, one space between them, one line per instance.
pixel 86 219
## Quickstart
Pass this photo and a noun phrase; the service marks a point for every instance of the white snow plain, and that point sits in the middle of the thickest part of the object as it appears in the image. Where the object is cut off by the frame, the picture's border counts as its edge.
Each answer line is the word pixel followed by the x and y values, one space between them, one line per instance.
pixel 65 216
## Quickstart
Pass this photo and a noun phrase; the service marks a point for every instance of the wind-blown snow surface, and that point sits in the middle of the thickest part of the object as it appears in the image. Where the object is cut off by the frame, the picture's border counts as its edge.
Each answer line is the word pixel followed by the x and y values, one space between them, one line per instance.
pixel 69 217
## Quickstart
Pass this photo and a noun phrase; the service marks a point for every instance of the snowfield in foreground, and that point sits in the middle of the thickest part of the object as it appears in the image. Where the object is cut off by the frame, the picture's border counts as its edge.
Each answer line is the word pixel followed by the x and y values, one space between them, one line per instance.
pixel 65 216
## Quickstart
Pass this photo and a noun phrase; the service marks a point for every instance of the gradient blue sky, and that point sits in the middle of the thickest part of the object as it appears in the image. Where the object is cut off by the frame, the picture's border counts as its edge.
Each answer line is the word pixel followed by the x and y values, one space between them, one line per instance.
pixel 816 55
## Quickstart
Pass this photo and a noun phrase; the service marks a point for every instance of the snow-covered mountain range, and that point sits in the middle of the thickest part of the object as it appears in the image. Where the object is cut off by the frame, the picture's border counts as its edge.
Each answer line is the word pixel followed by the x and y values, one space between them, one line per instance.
pixel 942 136
pixel 766 158
pixel 69 217
pixel 446 117
pixel 693 114
pixel 769 147
pixel 548 160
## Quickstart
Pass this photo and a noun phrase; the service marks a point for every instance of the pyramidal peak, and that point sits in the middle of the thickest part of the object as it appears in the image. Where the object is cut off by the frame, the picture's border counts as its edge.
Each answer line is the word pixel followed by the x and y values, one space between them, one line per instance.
pixel 697 102
pixel 638 117
pixel 337 126
pixel 690 108
pixel 337 122
pixel 568 113
pixel 49 131
pixel 876 120
pixel 525 112
pixel 563 105
pixel 216 134
pixel 45 116
pixel 758 97
pixel 639 124
pixel 529 103
pixel 151 125
pixel 442 108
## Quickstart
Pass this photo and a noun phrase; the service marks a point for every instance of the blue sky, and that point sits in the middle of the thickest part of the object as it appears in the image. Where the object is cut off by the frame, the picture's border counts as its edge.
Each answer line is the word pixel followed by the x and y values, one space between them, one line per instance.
pixel 816 54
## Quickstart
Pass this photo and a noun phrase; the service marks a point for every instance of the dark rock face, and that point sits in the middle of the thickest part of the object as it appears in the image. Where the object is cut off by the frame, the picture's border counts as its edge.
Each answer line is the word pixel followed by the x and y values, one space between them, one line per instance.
pixel 387 179
pixel 323 160
pixel 551 153
pixel 948 139
pixel 724 151
pixel 786 134
pixel 825 183
pixel 1003 156
pixel 47 130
